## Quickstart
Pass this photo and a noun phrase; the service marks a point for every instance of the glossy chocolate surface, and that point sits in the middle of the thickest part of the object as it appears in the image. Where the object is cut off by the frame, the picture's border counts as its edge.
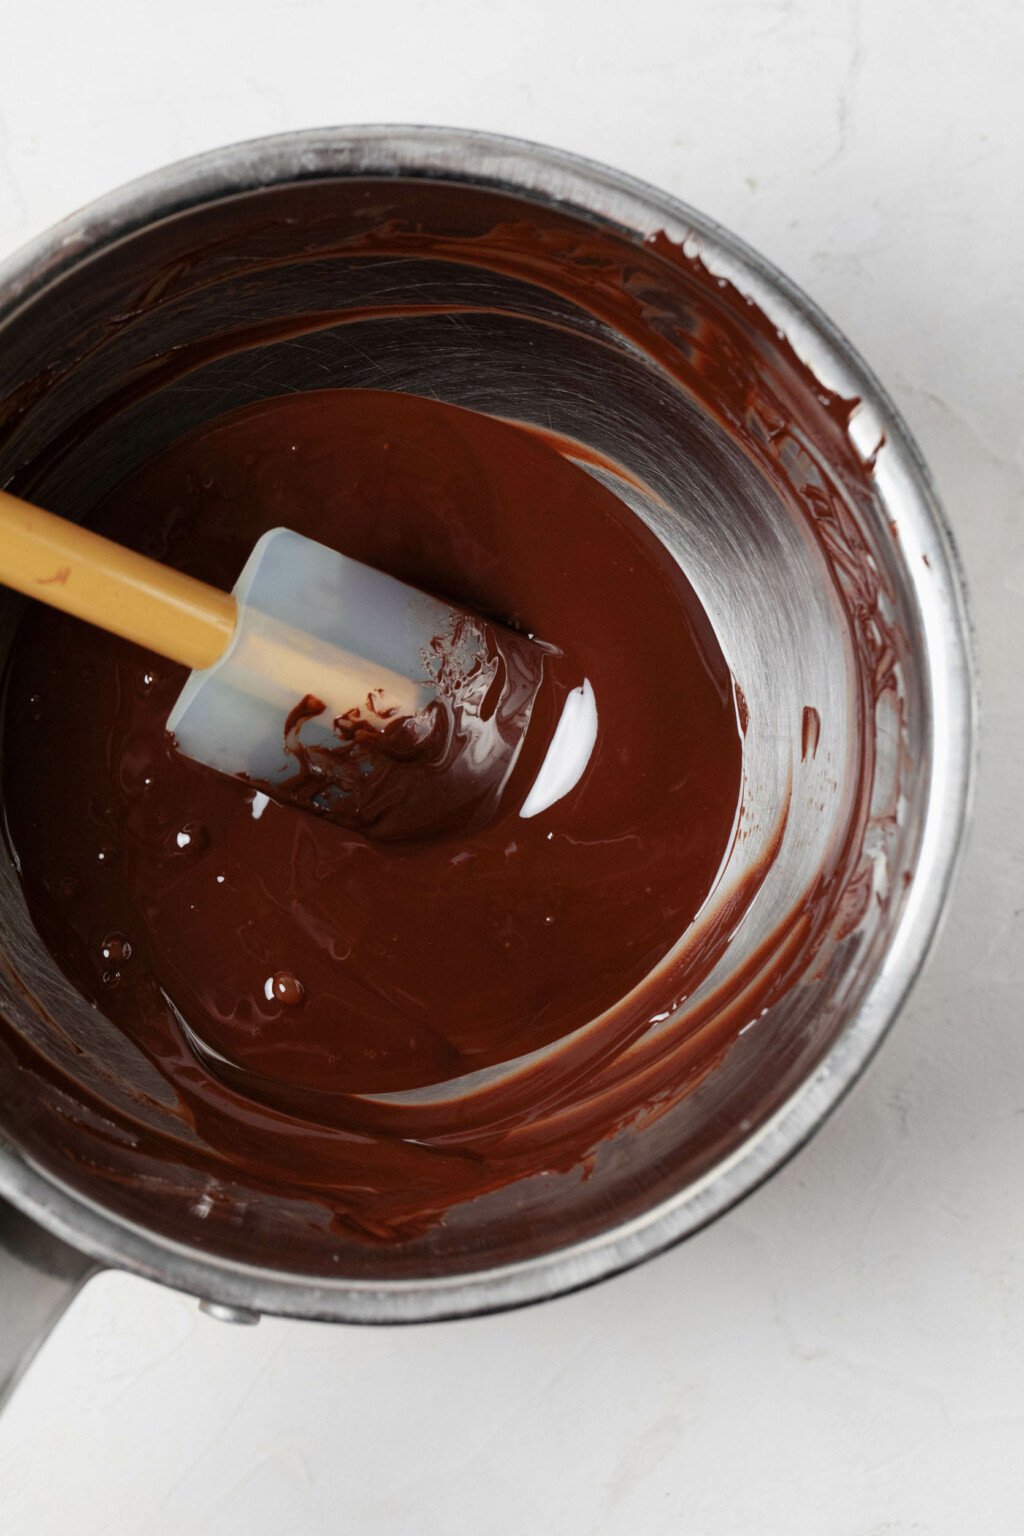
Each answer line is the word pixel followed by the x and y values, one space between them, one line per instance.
pixel 216 1125
pixel 276 966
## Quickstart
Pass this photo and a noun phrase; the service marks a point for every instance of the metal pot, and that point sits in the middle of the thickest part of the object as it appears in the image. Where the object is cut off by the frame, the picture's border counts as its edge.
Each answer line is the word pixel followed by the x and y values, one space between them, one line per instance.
pixel 122 288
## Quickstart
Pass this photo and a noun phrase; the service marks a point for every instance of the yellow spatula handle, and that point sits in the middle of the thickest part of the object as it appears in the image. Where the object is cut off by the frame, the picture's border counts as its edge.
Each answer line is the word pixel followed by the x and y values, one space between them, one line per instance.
pixel 97 580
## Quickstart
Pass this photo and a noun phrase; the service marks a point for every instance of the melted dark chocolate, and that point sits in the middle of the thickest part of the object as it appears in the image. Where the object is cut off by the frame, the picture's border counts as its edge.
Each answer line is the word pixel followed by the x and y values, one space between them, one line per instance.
pixel 276 967
pixel 122 844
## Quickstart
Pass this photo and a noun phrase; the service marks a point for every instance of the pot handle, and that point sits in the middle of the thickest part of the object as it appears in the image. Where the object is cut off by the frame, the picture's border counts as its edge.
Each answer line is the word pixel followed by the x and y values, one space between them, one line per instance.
pixel 39 1276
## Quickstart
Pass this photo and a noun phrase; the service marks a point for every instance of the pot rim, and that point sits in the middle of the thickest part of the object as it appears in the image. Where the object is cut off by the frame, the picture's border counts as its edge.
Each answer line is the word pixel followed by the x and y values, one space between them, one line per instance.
pixel 587 187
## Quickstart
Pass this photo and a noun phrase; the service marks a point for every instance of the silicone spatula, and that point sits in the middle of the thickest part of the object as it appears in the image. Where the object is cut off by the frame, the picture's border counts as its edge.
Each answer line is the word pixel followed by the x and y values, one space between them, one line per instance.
pixel 327 684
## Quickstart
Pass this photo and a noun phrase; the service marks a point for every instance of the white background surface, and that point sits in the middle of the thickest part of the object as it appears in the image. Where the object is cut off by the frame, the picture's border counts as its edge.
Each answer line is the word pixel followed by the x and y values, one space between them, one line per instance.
pixel 844 1354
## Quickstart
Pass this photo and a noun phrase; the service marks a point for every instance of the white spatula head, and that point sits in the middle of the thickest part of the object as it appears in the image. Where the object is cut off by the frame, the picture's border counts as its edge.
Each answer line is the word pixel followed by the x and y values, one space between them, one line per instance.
pixel 355 696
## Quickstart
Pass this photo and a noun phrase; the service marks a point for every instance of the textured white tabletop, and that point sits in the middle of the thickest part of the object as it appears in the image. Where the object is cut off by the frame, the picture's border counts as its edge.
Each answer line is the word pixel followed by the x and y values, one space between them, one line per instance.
pixel 844 1354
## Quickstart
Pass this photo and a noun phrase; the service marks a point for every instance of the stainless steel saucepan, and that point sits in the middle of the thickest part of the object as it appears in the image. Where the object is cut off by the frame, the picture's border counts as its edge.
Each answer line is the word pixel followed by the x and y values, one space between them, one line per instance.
pixel 181 258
